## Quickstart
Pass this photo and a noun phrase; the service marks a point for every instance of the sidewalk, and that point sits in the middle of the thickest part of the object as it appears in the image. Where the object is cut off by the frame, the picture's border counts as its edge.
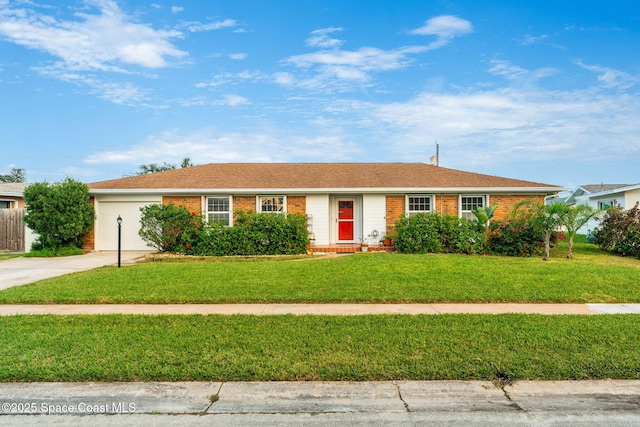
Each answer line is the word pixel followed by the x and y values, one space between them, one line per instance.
pixel 319 309
pixel 597 402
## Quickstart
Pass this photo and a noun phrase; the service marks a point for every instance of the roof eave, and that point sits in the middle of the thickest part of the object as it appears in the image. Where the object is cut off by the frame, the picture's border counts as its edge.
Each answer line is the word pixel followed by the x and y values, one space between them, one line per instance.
pixel 386 190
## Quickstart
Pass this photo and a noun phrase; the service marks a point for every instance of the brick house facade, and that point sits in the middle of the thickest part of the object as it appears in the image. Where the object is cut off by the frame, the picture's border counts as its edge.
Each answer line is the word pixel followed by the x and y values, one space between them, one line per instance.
pixel 344 202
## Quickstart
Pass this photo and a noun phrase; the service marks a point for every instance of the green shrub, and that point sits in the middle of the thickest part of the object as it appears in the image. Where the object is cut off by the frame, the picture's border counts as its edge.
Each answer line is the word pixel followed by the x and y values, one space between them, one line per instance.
pixel 60 214
pixel 163 226
pixel 429 232
pixel 252 234
pixel 38 251
pixel 619 231
pixel 517 237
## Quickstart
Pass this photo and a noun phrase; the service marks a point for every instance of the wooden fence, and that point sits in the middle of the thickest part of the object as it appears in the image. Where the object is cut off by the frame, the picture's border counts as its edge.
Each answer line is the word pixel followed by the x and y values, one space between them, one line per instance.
pixel 12 230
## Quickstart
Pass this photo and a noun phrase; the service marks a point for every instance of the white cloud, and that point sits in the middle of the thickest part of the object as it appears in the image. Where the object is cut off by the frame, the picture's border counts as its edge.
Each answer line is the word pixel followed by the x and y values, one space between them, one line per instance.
pixel 233 78
pixel 235 100
pixel 445 27
pixel 238 56
pixel 177 9
pixel 105 41
pixel 514 72
pixel 337 70
pixel 610 77
pixel 320 38
pixel 285 79
pixel 208 146
pixel 510 125
pixel 332 69
pixel 197 27
pixel 530 39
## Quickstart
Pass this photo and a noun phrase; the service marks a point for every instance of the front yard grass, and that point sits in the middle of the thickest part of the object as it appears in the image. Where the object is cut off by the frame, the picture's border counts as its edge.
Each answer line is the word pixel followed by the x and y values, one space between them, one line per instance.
pixel 592 276
pixel 270 348
pixel 5 256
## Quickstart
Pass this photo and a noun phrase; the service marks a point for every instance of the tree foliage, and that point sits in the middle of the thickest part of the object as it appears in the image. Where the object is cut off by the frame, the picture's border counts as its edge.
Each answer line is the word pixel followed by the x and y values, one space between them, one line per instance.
pixel 575 217
pixel 162 226
pixel 426 232
pixel 546 218
pixel 171 228
pixel 619 231
pixel 155 167
pixel 14 175
pixel 60 213
pixel 484 213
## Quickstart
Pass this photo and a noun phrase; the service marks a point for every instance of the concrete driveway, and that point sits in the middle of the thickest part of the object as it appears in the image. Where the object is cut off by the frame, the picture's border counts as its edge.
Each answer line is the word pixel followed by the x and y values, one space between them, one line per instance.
pixel 20 271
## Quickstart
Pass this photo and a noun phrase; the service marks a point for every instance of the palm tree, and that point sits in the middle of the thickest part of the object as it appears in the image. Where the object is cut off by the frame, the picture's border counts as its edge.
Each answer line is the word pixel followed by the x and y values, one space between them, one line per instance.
pixel 547 218
pixel 575 217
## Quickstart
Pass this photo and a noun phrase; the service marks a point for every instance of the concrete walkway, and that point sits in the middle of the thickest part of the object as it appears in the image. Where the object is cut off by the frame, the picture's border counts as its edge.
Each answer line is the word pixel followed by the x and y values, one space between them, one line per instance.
pixel 20 271
pixel 323 309
pixel 599 402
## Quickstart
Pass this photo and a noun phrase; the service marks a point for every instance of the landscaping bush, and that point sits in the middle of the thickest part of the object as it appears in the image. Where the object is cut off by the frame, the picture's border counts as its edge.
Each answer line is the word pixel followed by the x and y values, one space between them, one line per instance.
pixel 430 232
pixel 517 237
pixel 162 226
pixel 252 234
pixel 619 231
pixel 60 213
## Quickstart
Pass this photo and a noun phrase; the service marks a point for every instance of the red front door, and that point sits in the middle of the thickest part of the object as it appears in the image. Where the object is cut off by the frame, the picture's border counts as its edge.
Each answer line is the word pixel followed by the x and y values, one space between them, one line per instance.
pixel 345 220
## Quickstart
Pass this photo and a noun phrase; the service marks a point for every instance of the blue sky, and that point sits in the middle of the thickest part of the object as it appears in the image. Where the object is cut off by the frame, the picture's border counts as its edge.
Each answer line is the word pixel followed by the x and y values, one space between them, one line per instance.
pixel 547 91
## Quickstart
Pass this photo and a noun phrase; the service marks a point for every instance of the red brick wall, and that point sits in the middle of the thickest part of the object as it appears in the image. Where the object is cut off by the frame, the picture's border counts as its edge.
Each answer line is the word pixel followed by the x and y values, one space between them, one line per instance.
pixel 244 203
pixel 395 210
pixel 446 204
pixel 506 202
pixel 192 203
pixel 297 204
pixel 90 241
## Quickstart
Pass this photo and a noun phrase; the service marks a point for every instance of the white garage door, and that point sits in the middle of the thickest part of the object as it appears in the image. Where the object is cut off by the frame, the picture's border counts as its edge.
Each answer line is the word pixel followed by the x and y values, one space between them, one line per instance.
pixel 107 233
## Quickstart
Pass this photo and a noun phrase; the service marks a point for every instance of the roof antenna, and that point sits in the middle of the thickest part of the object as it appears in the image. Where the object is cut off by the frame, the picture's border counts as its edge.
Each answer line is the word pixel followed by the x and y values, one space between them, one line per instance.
pixel 435 160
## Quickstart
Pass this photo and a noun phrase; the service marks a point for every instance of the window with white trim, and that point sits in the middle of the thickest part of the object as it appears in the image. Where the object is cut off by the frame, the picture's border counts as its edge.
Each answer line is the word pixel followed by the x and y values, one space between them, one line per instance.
pixel 219 210
pixel 419 203
pixel 605 205
pixel 5 204
pixel 271 204
pixel 469 203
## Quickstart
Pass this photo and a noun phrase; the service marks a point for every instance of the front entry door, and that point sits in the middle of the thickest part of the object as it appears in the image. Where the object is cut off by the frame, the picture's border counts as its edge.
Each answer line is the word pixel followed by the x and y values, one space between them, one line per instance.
pixel 346 220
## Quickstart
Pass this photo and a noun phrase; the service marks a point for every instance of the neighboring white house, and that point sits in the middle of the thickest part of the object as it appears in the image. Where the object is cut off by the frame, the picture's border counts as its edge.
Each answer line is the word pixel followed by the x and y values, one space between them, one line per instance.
pixel 603 196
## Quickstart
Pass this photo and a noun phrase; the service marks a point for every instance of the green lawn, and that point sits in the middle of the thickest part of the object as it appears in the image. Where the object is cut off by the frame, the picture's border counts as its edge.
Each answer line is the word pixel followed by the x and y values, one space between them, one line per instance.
pixel 4 256
pixel 233 348
pixel 592 276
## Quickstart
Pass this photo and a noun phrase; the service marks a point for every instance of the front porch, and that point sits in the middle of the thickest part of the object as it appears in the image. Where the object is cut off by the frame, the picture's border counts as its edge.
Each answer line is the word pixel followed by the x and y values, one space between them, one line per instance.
pixel 347 248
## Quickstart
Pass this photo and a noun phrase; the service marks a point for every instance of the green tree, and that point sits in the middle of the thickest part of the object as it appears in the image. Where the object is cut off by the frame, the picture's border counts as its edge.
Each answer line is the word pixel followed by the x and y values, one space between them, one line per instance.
pixel 15 175
pixel 546 218
pixel 60 213
pixel 484 214
pixel 162 226
pixel 154 167
pixel 575 217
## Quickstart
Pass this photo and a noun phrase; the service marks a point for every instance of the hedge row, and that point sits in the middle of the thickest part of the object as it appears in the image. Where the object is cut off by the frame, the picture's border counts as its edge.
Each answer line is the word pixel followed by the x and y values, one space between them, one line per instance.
pixel 251 234
pixel 174 229
pixel 434 233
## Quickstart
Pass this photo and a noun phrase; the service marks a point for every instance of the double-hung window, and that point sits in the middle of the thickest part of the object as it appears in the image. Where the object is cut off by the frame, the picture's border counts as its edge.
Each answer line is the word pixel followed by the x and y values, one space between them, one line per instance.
pixel 469 203
pixel 219 210
pixel 419 203
pixel 271 204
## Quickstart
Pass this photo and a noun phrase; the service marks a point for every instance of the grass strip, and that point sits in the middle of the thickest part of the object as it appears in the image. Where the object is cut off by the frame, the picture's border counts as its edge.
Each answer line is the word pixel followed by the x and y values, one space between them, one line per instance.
pixel 270 348
pixel 593 276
